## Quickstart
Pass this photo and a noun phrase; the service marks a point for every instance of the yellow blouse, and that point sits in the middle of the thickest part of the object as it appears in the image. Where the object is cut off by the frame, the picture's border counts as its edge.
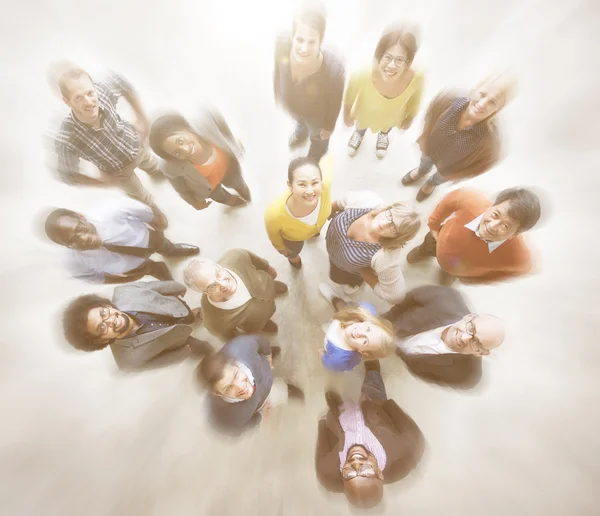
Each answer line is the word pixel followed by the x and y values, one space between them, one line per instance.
pixel 281 224
pixel 372 110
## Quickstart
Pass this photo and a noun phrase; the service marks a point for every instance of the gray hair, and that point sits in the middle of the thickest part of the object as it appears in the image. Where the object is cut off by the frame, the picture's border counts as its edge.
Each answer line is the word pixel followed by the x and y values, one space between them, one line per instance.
pixel 194 270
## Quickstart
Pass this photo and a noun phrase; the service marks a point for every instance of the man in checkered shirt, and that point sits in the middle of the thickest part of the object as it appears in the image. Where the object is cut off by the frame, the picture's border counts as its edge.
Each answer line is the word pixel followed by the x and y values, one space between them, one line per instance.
pixel 94 131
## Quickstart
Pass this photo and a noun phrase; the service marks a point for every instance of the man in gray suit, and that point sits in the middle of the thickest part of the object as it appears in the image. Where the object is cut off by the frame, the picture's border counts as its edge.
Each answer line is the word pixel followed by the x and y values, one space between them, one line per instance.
pixel 440 339
pixel 147 324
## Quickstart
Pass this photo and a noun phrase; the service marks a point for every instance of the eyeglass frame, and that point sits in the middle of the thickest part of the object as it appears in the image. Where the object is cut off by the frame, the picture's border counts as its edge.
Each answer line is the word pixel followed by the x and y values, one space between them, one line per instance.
pixel 389 58
pixel 210 289
pixel 104 319
pixel 390 219
pixel 354 473
pixel 474 340
pixel 80 230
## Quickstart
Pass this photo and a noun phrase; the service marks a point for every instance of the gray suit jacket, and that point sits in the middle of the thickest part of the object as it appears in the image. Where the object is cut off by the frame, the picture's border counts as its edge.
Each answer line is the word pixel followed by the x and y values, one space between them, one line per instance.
pixel 426 308
pixel 210 126
pixel 158 297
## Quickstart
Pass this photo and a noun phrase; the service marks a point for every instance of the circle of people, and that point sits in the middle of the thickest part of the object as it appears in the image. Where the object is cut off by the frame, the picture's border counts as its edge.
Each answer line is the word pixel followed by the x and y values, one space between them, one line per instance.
pixel 361 446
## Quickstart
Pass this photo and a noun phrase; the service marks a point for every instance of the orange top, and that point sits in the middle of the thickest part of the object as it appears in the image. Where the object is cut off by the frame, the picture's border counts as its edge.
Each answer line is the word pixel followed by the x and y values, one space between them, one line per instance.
pixel 462 253
pixel 215 171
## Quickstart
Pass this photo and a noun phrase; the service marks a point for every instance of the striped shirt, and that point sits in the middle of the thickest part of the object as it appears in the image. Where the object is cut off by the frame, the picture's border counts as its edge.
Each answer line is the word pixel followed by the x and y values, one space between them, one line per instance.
pixel 111 147
pixel 356 431
pixel 345 253
pixel 446 145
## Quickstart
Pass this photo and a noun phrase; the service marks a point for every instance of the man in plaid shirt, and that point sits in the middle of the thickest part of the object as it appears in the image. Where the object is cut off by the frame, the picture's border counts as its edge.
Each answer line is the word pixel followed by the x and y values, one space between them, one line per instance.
pixel 95 132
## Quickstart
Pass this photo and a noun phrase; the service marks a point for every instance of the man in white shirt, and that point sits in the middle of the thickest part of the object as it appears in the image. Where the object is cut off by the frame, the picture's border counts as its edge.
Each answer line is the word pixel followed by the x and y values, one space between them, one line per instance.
pixel 239 293
pixel 440 339
pixel 113 242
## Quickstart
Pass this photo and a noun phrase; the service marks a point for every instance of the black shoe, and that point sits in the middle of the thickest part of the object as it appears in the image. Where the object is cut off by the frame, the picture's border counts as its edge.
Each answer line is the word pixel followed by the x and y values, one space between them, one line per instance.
pixel 372 365
pixel 422 194
pixel 416 255
pixel 270 327
pixel 295 393
pixel 275 352
pixel 334 402
pixel 408 179
pixel 182 250
pixel 160 271
pixel 200 347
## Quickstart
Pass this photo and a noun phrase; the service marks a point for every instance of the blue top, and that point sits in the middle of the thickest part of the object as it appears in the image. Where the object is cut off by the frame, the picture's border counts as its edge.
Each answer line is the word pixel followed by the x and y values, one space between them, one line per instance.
pixel 336 358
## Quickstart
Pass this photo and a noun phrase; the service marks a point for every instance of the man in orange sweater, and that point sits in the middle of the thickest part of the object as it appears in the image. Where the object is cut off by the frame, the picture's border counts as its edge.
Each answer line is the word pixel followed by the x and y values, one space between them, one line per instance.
pixel 479 241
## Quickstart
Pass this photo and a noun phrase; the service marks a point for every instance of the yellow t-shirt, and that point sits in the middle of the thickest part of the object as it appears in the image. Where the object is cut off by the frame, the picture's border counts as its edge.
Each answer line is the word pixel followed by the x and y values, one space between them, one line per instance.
pixel 372 110
pixel 280 224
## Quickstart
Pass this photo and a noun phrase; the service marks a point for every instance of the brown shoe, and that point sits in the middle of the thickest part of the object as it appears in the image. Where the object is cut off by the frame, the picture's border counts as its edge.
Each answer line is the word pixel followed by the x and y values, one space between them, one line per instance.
pixel 296 265
pixel 236 200
pixel 280 288
pixel 425 191
pixel 270 327
pixel 416 255
pixel 409 179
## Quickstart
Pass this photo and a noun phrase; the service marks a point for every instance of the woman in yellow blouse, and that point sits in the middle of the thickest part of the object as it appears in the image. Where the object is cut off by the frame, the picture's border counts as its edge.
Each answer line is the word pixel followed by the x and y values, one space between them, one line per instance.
pixel 301 212
pixel 386 95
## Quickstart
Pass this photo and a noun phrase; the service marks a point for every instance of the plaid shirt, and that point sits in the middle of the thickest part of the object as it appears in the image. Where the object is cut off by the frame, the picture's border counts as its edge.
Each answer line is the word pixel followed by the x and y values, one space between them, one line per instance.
pixel 111 147
pixel 446 145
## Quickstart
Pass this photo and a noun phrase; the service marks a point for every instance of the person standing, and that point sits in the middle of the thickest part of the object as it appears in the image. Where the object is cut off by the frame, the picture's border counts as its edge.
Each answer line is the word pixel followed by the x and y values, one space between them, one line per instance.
pixel 387 94
pixel 460 136
pixel 114 241
pixel 300 213
pixel 362 446
pixel 309 82
pixel 202 156
pixel 93 131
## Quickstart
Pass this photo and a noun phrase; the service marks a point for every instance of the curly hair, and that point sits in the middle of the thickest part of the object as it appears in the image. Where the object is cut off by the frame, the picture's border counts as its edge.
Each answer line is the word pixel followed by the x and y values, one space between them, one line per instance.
pixel 351 315
pixel 75 318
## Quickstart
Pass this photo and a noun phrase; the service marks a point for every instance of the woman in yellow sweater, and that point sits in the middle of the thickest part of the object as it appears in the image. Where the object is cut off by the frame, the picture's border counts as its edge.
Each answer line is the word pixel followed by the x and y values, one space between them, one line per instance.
pixel 387 94
pixel 301 212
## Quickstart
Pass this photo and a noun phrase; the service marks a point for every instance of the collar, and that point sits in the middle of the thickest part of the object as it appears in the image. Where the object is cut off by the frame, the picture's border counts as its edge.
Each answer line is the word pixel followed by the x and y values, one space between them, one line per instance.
pixel 250 376
pixel 474 227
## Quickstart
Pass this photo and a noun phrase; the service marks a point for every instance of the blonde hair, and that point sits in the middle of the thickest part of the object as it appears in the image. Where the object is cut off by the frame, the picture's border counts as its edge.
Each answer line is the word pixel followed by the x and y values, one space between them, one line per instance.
pixel 408 228
pixel 351 315
pixel 506 86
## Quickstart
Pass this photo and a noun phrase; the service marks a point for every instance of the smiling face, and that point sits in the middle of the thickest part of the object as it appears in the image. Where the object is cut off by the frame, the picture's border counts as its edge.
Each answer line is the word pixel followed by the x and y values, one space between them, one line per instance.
pixel 385 224
pixel 484 102
pixel 496 225
pixel 216 282
pixel 234 384
pixel 306 44
pixel 474 335
pixel 365 337
pixel 107 323
pixel 393 62
pixel 82 99
pixel 77 233
pixel 182 145
pixel 307 184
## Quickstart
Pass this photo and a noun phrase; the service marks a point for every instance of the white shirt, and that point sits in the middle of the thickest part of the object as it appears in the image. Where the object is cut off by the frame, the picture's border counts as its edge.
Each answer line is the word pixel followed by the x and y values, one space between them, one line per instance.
pixel 474 227
pixel 425 343
pixel 239 298
pixel 311 218
pixel 121 222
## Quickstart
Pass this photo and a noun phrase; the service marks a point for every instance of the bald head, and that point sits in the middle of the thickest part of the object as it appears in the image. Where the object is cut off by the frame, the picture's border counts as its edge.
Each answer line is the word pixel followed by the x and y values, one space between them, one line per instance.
pixel 474 334
pixel 364 492
pixel 199 273
pixel 489 331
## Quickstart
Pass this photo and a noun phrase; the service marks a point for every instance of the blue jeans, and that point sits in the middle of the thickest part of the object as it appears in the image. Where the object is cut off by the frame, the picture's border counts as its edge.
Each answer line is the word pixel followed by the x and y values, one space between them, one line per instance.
pixel 363 131
pixel 318 146
pixel 425 167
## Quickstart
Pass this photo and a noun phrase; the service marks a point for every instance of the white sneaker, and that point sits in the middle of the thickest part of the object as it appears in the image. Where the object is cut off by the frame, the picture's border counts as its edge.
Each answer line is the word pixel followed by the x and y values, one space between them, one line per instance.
pixel 349 290
pixel 327 292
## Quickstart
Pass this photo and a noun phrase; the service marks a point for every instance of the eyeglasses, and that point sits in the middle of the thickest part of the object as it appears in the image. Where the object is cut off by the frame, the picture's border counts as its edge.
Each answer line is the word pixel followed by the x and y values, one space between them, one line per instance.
pixel 102 328
pixel 80 231
pixel 398 61
pixel 215 285
pixel 366 471
pixel 390 218
pixel 474 343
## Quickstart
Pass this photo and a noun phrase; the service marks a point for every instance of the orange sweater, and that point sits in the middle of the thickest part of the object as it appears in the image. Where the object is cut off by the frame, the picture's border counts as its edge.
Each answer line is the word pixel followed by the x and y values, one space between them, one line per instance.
pixel 462 253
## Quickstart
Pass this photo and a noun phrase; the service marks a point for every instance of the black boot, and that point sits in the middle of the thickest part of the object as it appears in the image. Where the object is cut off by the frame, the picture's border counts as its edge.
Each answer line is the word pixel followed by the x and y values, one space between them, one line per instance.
pixel 295 393
pixel 334 402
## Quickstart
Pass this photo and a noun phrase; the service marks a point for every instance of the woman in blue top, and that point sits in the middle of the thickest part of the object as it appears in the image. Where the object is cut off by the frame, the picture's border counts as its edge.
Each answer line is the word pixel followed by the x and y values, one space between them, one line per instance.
pixel 355 332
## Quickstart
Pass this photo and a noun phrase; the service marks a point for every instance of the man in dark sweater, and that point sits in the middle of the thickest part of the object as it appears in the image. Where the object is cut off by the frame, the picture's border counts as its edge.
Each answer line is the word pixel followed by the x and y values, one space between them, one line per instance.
pixel 241 383
pixel 309 82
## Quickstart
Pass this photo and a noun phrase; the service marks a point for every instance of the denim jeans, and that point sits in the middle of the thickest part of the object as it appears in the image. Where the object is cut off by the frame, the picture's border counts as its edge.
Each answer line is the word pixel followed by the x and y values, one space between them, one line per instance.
pixel 363 131
pixel 318 146
pixel 425 167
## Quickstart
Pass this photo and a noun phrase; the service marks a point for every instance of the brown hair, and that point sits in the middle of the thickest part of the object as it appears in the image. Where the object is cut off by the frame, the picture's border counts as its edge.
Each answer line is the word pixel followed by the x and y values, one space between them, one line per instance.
pixel 351 315
pixel 211 369
pixel 313 17
pixel 409 227
pixel 406 38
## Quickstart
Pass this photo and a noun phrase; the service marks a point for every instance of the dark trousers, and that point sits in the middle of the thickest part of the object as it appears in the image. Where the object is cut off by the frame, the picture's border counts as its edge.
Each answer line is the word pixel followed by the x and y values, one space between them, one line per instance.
pixel 293 246
pixel 425 167
pixel 318 146
pixel 373 386
pixel 342 277
pixel 429 245
pixel 158 270
pixel 232 179
pixel 363 131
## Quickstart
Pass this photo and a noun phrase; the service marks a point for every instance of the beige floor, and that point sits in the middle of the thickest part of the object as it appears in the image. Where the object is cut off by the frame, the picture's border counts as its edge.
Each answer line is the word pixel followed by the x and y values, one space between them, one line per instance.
pixel 78 437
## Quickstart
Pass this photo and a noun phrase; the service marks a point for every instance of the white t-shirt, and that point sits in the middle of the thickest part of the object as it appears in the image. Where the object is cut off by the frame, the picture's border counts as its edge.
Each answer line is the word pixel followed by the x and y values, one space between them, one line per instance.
pixel 239 298
pixel 311 218
pixel 425 343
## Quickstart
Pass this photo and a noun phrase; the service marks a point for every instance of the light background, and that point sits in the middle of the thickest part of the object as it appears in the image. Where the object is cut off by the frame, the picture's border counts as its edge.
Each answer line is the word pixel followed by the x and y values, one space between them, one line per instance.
pixel 78 437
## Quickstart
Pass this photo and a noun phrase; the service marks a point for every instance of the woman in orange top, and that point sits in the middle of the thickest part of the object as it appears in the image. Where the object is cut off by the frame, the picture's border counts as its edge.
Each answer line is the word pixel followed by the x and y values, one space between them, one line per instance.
pixel 201 157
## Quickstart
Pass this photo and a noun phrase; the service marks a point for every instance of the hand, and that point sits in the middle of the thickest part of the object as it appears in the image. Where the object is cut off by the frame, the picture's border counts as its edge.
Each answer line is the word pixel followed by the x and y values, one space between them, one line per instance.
pixel 407 123
pixel 202 205
pixel 348 120
pixel 321 352
pixel 324 134
pixel 285 252
pixel 434 234
pixel 266 409
pixel 272 272
pixel 142 126
pixel 197 313
pixel 270 360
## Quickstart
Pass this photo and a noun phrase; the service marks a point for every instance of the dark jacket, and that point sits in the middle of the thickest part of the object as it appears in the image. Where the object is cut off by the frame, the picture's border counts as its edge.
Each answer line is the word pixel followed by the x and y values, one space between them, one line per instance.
pixel 426 308
pixel 398 434
pixel 234 418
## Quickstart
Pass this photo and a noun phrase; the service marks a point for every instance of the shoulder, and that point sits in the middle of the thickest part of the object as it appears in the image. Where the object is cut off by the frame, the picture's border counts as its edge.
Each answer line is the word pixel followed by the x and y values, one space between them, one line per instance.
pixel 234 256
pixel 277 207
pixel 333 62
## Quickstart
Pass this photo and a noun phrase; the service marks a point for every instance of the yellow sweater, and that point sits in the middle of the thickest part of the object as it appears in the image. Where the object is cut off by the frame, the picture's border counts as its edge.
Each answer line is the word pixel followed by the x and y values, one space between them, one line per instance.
pixel 281 224
pixel 372 110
